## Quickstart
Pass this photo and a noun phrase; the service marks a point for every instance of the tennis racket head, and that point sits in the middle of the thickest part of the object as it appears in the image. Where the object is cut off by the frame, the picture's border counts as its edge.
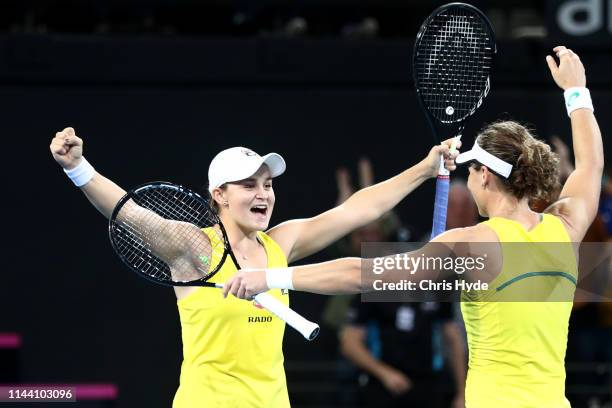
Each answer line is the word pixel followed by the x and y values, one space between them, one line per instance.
pixel 168 234
pixel 452 61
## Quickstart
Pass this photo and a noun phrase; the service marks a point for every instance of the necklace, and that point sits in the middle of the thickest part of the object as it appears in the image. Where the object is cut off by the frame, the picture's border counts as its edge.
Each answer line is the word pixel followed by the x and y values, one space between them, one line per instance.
pixel 240 255
pixel 244 257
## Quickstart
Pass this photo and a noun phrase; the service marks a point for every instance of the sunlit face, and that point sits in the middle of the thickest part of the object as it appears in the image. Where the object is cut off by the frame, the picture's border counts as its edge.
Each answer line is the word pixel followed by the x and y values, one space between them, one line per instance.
pixel 250 201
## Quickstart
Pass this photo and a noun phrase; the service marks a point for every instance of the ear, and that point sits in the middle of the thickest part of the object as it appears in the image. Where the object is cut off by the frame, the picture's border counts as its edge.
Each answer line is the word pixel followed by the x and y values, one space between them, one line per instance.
pixel 486 176
pixel 219 196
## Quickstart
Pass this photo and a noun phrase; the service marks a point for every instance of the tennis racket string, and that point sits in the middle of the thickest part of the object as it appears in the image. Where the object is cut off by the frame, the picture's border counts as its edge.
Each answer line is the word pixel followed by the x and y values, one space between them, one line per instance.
pixel 159 225
pixel 454 57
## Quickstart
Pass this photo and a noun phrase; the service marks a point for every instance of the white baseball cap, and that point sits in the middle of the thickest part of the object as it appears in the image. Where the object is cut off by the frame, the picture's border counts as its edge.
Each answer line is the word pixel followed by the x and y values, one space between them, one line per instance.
pixel 494 163
pixel 239 163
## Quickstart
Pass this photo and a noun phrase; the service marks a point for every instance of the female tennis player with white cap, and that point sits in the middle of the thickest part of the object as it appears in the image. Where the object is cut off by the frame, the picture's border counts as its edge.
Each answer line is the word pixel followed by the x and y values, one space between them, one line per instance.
pixel 232 350
pixel 517 348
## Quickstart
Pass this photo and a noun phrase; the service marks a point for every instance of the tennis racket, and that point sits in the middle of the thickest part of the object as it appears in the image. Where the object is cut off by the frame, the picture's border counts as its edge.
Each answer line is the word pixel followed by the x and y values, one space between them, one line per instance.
pixel 452 61
pixel 171 236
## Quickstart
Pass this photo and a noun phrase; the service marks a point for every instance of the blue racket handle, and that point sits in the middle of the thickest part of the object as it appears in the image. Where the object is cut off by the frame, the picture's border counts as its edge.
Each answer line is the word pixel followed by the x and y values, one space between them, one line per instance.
pixel 442 188
pixel 440 205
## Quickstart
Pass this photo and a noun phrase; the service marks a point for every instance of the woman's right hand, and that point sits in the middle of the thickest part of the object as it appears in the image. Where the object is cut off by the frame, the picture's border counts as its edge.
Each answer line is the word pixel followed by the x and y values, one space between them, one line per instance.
pixel 395 381
pixel 67 148
pixel 432 161
pixel 570 71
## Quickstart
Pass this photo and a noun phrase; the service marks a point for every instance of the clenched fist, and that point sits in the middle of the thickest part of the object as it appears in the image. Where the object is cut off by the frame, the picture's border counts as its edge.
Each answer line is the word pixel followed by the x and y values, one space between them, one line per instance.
pixel 67 148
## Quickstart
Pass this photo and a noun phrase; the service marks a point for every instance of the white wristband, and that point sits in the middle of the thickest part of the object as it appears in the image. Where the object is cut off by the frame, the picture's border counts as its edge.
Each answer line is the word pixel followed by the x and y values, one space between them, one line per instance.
pixel 577 98
pixel 81 174
pixel 279 278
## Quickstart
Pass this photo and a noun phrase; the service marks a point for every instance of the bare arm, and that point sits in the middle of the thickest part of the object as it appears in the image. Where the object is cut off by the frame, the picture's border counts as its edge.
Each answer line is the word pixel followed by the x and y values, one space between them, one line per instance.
pixel 300 238
pixel 67 149
pixel 457 358
pixel 352 345
pixel 356 275
pixel 103 194
pixel 178 244
pixel 579 199
pixel 184 247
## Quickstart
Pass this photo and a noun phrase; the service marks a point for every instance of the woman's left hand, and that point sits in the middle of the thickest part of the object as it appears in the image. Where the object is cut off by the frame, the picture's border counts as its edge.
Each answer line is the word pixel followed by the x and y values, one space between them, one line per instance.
pixel 246 283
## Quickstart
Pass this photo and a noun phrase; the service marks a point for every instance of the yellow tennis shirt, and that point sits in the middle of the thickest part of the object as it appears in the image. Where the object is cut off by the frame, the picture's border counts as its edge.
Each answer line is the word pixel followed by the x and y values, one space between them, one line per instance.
pixel 232 348
pixel 517 349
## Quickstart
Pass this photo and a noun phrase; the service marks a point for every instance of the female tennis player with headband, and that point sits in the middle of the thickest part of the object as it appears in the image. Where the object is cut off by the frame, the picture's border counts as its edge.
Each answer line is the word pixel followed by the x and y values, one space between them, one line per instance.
pixel 517 349
pixel 232 350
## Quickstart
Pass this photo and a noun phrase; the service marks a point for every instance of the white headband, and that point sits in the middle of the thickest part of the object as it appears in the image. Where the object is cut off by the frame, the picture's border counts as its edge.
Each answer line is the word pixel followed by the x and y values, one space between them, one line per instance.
pixel 485 158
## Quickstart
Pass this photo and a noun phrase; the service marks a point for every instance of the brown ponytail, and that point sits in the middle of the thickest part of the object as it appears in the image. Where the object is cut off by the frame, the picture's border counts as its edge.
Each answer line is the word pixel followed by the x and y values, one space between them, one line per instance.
pixel 535 171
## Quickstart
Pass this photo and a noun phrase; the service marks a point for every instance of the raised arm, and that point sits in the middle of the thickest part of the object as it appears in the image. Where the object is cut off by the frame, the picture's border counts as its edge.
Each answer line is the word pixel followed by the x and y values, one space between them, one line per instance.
pixel 67 149
pixel 579 199
pixel 303 237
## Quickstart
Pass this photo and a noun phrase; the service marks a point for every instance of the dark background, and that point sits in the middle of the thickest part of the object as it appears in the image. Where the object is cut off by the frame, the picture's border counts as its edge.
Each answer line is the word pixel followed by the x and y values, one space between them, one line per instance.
pixel 157 100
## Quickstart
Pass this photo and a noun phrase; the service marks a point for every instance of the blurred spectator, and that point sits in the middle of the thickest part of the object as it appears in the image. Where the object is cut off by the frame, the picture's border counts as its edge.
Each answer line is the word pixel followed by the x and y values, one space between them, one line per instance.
pixel 565 161
pixel 462 211
pixel 605 206
pixel 398 344
pixel 386 228
pixel 405 373
pixel 366 28
pixel 334 314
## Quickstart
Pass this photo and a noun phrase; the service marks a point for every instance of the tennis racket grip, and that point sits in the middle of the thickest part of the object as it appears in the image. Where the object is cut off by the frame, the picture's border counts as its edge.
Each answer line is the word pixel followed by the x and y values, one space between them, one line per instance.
pixel 440 205
pixel 307 328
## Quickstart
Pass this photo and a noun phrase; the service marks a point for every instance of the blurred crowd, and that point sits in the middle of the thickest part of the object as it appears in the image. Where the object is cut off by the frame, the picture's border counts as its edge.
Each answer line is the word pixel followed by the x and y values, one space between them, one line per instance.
pixel 359 19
